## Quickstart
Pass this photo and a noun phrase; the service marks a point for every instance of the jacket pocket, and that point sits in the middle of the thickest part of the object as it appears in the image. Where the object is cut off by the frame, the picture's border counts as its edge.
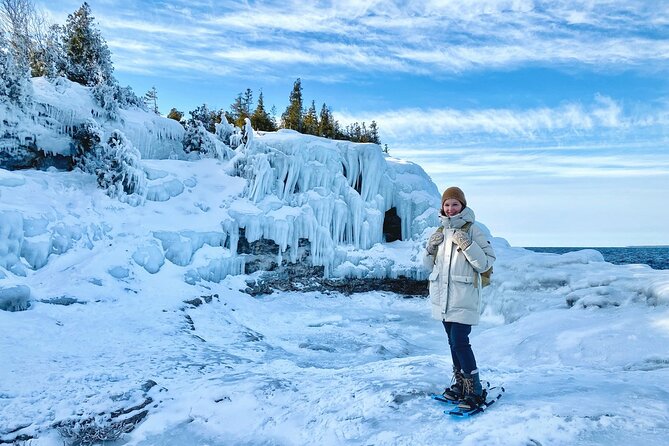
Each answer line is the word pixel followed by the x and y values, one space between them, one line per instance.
pixel 462 279
pixel 434 275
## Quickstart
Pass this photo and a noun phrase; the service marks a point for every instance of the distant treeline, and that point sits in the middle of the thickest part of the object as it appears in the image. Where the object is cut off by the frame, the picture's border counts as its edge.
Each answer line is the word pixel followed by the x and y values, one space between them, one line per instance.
pixel 295 117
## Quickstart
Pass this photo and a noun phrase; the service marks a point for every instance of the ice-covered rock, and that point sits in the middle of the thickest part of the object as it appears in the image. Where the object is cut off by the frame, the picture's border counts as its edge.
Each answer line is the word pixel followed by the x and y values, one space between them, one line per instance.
pixel 42 135
pixel 150 257
pixel 15 298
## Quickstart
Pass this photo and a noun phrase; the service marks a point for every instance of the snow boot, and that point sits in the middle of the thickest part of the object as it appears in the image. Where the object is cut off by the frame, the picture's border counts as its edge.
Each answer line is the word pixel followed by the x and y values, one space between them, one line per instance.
pixel 457 390
pixel 474 394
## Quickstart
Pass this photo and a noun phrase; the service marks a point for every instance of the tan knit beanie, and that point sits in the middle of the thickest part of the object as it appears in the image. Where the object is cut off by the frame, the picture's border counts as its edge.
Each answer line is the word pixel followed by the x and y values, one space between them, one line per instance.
pixel 454 192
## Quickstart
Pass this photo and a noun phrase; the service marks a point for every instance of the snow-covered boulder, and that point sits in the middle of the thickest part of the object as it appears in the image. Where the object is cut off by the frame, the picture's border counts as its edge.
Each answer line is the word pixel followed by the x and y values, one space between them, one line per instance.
pixel 15 298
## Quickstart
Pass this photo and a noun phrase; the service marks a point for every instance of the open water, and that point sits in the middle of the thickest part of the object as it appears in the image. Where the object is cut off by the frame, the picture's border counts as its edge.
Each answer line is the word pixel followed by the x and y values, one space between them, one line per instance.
pixel 657 257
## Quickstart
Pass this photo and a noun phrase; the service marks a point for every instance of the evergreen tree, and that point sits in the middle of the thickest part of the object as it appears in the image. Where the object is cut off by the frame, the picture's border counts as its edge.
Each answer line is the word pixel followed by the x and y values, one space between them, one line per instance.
pixel 151 100
pixel 310 121
pixel 107 97
pixel 364 135
pixel 217 117
pixel 205 117
pixel 374 134
pixel 326 123
pixel 175 114
pixel 338 132
pixel 237 111
pixel 89 59
pixel 260 120
pixel 272 114
pixel 54 59
pixel 247 103
pixel 355 132
pixel 292 117
pixel 197 139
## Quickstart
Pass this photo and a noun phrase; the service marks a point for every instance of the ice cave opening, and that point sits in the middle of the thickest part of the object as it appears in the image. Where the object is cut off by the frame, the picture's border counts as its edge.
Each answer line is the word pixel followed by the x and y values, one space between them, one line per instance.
pixel 392 226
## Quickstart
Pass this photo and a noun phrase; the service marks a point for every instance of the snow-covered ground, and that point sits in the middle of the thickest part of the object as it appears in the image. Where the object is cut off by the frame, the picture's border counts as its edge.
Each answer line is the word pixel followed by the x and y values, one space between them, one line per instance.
pixel 580 345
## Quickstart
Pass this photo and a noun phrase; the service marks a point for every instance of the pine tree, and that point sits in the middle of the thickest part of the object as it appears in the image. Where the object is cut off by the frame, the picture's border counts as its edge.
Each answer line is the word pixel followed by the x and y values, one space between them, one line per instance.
pixel 325 127
pixel 205 117
pixel 247 103
pixel 260 120
pixel 272 115
pixel 374 134
pixel 310 121
pixel 364 135
pixel 292 117
pixel 89 59
pixel 151 100
pixel 237 111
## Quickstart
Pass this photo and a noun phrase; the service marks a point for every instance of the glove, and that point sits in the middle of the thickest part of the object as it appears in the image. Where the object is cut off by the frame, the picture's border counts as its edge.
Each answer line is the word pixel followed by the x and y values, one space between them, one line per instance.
pixel 461 239
pixel 434 241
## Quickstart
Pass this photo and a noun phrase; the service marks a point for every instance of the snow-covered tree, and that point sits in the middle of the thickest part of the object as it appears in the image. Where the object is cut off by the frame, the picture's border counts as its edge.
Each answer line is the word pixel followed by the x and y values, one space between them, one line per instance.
pixel 195 138
pixel 127 98
pixel 224 130
pixel 116 163
pixel 15 17
pixel 89 59
pixel 15 44
pixel 15 86
pixel 107 97
pixel 53 60
pixel 292 117
pixel 28 30
pixel 204 116
pixel 151 100
pixel 247 137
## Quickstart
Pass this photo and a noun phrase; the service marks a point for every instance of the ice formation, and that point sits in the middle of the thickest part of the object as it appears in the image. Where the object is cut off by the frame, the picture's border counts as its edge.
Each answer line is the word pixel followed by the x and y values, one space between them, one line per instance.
pixel 282 187
pixel 333 193
pixel 342 198
pixel 59 107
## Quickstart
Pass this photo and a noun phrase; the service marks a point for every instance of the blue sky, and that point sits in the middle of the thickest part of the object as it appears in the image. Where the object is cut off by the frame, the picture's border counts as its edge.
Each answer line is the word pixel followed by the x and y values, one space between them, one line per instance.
pixel 553 116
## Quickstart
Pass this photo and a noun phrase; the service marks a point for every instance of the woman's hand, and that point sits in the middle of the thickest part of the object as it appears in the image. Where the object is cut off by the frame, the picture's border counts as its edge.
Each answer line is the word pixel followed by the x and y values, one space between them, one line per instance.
pixel 434 241
pixel 462 239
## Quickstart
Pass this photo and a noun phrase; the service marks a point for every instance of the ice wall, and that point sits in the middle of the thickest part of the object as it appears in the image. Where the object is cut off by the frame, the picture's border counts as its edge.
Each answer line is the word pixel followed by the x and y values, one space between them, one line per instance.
pixel 282 187
pixel 334 193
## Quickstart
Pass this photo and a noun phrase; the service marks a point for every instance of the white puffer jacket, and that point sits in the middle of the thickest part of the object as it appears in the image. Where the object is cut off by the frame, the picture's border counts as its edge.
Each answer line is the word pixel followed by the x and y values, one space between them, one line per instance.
pixel 455 281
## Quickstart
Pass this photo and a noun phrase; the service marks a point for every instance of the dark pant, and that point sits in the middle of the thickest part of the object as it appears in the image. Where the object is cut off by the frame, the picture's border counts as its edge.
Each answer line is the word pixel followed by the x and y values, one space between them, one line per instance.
pixel 461 350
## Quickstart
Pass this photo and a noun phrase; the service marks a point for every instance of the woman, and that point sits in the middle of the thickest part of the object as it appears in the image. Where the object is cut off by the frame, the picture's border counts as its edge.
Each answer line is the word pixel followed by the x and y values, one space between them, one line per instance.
pixel 457 253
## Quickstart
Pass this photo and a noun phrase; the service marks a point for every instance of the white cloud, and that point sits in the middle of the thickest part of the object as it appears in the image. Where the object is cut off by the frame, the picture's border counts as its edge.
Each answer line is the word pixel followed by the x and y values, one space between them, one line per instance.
pixel 435 37
pixel 412 123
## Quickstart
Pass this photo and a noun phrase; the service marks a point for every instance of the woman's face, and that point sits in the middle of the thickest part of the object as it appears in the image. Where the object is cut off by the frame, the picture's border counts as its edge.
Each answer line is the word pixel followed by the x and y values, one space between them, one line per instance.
pixel 452 207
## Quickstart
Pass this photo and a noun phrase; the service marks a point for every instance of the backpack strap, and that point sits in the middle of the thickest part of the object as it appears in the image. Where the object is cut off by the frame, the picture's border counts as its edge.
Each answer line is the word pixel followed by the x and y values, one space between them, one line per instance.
pixel 466 226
